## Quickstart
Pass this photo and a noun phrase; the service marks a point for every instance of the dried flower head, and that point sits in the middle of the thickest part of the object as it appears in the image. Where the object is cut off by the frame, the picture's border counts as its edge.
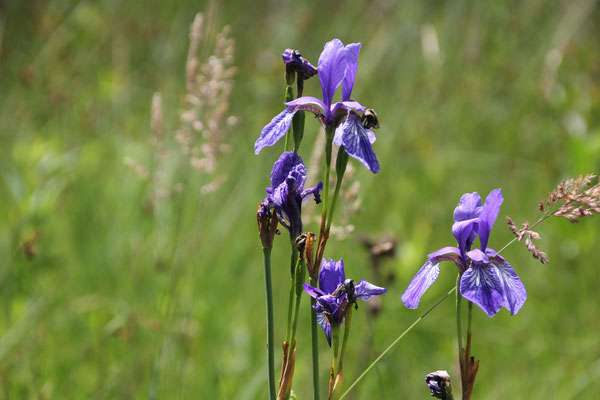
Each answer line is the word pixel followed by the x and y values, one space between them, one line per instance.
pixel 577 197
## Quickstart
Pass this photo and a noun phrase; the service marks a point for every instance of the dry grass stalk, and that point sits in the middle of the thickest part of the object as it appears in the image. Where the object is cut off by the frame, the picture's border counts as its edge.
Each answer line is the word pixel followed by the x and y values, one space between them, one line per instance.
pixel 204 119
pixel 578 197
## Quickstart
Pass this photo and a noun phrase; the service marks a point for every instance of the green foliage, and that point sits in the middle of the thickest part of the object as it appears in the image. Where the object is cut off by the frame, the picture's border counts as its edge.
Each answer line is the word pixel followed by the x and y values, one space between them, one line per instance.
pixel 106 294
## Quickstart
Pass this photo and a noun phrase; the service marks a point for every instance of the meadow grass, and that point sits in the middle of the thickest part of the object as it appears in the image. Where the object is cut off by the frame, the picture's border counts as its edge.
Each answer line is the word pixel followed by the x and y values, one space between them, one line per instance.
pixel 107 292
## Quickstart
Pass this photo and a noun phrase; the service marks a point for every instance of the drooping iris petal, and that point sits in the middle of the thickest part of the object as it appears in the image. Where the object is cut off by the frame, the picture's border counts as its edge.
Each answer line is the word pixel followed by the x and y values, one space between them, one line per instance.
pixel 275 129
pixel 514 290
pixel 352 51
pixel 324 324
pixel 482 286
pixel 328 313
pixel 420 283
pixel 352 135
pixel 331 275
pixel 365 290
pixel 332 68
pixel 488 215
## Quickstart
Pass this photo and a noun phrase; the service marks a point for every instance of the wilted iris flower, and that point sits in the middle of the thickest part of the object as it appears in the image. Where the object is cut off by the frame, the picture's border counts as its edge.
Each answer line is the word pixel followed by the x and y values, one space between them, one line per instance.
pixel 286 194
pixel 335 293
pixel 294 62
pixel 337 66
pixel 488 280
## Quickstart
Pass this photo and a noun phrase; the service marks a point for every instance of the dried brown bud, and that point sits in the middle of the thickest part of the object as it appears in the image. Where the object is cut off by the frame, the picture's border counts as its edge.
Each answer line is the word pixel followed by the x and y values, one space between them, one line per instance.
pixel 267 225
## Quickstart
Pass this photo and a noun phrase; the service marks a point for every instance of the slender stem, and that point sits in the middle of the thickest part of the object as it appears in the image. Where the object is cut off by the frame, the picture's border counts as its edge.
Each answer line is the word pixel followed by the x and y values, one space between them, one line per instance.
pixel 293 259
pixel 458 318
pixel 270 342
pixel 300 272
pixel 469 318
pixel 347 324
pixel 323 235
pixel 289 96
pixel 395 342
pixel 328 150
pixel 315 345
pixel 335 346
pixel 539 221
pixel 341 163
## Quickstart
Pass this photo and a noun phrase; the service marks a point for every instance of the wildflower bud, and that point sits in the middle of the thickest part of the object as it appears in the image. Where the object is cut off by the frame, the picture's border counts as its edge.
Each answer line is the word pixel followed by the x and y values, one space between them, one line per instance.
pixel 294 62
pixel 267 225
pixel 290 74
pixel 439 383
pixel 298 126
pixel 341 162
pixel 309 247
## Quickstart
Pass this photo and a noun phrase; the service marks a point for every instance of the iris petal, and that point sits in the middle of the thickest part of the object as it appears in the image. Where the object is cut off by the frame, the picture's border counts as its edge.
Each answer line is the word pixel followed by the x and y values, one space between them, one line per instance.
pixel 313 291
pixel 322 321
pixel 352 51
pixel 420 283
pixel 514 290
pixel 488 215
pixel 481 285
pixel 353 136
pixel 331 275
pixel 332 68
pixel 365 290
pixel 275 129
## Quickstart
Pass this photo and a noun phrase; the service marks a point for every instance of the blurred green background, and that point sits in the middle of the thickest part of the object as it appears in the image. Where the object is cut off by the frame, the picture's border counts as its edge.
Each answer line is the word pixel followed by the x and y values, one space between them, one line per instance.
pixel 110 291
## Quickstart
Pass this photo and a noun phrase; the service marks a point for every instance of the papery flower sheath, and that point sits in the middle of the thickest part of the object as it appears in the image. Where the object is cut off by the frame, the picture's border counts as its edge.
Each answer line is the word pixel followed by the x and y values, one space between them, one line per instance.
pixel 488 280
pixel 286 194
pixel 337 66
pixel 331 301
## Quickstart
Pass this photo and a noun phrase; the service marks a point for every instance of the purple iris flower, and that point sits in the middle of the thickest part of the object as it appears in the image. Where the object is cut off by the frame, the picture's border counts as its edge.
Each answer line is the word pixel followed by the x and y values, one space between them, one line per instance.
pixel 335 293
pixel 287 193
pixel 488 280
pixel 337 66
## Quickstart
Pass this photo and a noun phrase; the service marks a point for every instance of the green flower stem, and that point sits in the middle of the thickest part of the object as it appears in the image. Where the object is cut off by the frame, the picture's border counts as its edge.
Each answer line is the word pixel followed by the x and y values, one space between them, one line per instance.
pixel 458 318
pixel 328 149
pixel 366 371
pixel 300 274
pixel 293 259
pixel 340 167
pixel 469 318
pixel 347 324
pixel 270 347
pixel 289 96
pixel 315 344
pixel 335 346
pixel 329 133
